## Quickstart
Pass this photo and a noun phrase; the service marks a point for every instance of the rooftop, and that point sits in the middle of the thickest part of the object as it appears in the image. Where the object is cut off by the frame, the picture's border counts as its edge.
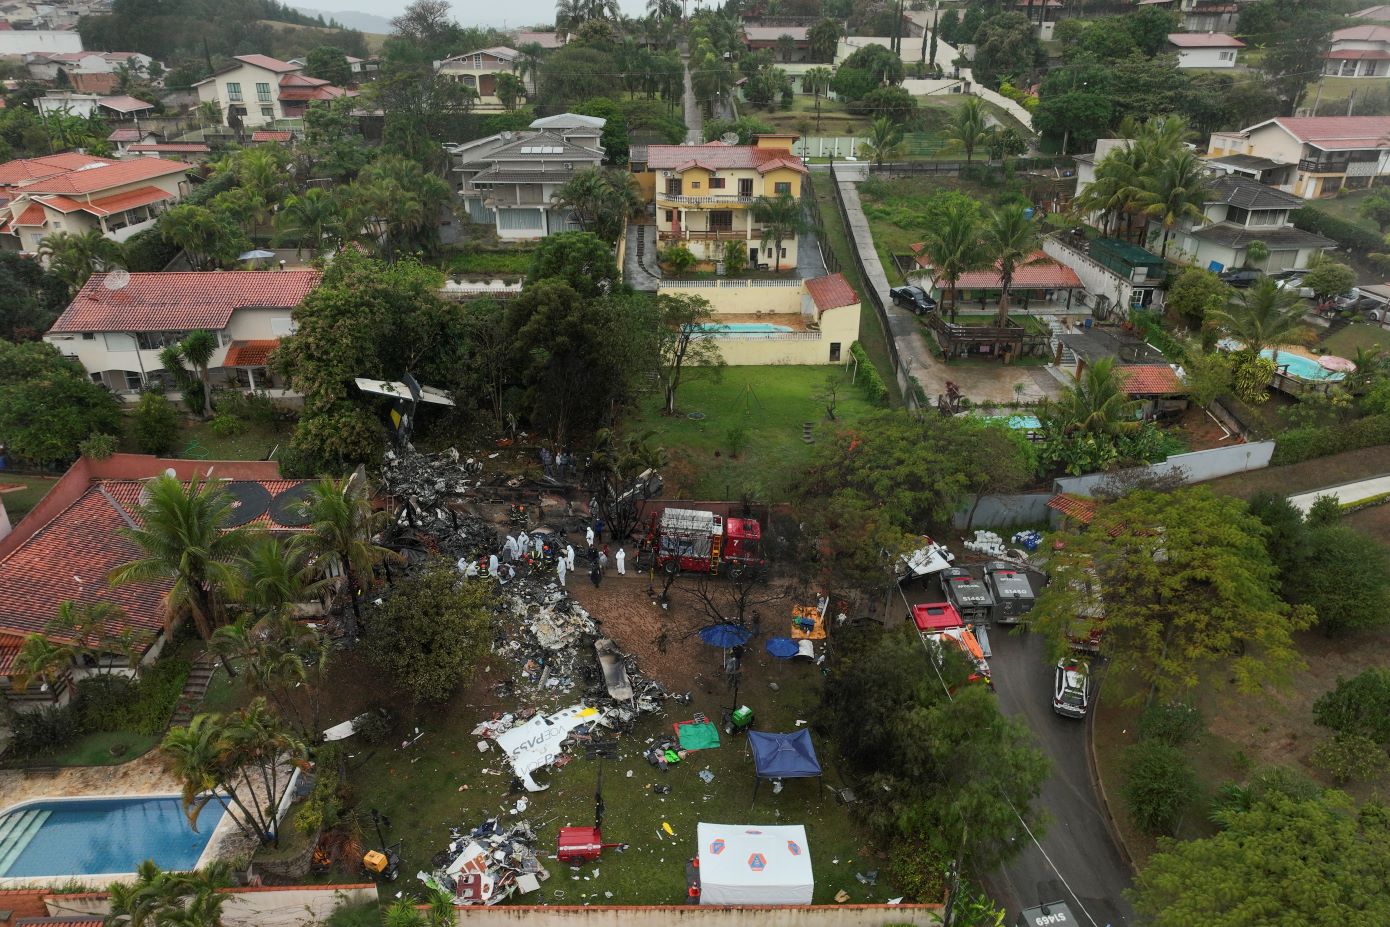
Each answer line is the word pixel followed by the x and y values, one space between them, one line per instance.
pixel 124 104
pixel 543 39
pixel 1095 343
pixel 773 33
pixel 24 170
pixel 108 205
pixel 1248 162
pixel 831 292
pixel 1204 40
pixel 181 301
pixel 102 174
pixel 1334 132
pixel 718 156
pixel 1238 236
pixel 271 135
pixel 267 62
pixel 171 148
pixel 1149 380
pixel 1248 193
pixel 1377 13
pixel 1039 272
pixel 497 51
pixel 1366 32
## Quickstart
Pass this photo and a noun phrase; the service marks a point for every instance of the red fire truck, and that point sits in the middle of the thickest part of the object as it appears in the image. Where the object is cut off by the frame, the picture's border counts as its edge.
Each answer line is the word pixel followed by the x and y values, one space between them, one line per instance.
pixel 692 541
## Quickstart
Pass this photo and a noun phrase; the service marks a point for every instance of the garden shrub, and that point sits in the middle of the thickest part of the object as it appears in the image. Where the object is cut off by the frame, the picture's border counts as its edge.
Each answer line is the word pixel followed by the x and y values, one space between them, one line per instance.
pixel 1349 758
pixel 868 377
pixel 255 407
pixel 1347 234
pixel 1299 444
pixel 154 424
pixel 1159 786
pixel 43 731
pixel 1171 723
pixel 114 702
pixel 322 807
pixel 1360 705
pixel 103 702
pixel 227 425
pixel 98 446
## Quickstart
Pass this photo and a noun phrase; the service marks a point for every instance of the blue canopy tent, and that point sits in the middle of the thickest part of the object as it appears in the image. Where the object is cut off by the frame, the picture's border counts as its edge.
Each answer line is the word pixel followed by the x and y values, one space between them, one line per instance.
pixel 782 756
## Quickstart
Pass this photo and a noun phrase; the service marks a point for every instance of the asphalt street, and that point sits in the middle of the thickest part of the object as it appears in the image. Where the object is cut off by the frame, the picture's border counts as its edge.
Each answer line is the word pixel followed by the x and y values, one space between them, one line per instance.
pixel 1078 862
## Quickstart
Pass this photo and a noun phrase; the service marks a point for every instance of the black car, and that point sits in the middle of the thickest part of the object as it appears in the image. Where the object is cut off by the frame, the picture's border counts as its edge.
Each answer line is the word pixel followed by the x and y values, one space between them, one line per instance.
pixel 912 297
pixel 1240 279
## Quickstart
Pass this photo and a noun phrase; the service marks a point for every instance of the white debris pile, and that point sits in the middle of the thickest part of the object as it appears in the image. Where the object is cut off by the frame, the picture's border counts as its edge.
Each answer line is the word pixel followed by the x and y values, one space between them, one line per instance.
pixel 487 864
pixel 988 543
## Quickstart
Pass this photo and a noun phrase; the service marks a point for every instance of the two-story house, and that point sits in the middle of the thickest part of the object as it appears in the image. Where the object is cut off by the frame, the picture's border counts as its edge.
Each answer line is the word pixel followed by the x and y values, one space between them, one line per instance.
pixel 256 89
pixel 769 38
pixel 78 193
pixel 1202 15
pixel 704 195
pixel 117 325
pixel 1327 153
pixel 1359 51
pixel 1241 211
pixel 509 180
pixel 479 70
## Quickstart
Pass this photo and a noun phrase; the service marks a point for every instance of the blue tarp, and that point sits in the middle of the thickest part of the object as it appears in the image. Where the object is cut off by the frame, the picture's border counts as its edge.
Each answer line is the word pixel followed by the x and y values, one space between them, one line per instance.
pixel 783 648
pixel 783 756
pixel 725 635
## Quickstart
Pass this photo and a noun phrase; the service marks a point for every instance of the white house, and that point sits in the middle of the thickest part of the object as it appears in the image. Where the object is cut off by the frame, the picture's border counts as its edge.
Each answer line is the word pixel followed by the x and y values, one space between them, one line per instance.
pixel 1359 51
pixel 116 327
pixel 89 104
pixel 1324 153
pixel 1205 49
pixel 256 89
pixel 20 42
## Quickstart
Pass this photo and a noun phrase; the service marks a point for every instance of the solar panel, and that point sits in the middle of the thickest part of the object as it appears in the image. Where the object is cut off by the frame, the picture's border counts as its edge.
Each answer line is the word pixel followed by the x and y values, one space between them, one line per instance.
pixel 249 502
pixel 288 507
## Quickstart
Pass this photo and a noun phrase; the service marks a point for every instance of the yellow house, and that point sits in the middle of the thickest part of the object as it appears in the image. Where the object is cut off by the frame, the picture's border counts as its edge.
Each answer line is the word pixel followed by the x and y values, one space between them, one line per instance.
pixel 704 193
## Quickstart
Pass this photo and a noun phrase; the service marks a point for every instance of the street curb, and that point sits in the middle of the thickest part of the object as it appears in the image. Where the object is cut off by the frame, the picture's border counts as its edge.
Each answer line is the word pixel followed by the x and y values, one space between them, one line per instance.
pixel 1093 768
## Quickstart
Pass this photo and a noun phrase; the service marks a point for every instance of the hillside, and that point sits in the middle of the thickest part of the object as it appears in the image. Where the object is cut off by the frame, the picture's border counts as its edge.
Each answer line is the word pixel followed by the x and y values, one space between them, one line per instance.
pixel 331 36
pixel 352 19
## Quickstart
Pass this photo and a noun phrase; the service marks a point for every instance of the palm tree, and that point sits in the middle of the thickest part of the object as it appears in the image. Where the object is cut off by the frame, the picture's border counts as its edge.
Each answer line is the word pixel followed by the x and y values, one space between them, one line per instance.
pixel 210 113
pixel 1173 190
pixel 601 199
pixel 183 537
pixel 90 628
pixel 1097 404
pixel 528 61
pixel 197 348
pixel 816 81
pixel 885 140
pixel 339 541
pixel 954 247
pixel 40 658
pixel 169 899
pixel 1010 239
pixel 1262 316
pixel 276 576
pixel 780 218
pixel 312 218
pixel 73 256
pixel 1115 188
pixel 969 127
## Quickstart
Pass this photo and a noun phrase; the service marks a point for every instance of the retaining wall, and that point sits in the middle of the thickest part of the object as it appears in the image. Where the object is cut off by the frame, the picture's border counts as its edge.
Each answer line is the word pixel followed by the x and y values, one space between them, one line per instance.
pixel 844 915
pixel 1195 467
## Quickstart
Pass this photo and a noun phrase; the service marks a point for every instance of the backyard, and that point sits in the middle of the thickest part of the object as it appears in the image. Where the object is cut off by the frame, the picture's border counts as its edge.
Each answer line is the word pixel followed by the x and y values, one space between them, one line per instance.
pixel 1345 341
pixel 18 502
pixel 741 432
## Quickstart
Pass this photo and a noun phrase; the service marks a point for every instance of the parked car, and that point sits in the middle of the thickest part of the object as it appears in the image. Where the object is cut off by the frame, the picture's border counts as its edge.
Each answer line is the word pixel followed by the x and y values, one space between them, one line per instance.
pixel 1294 283
pixel 1240 279
pixel 1072 687
pixel 912 297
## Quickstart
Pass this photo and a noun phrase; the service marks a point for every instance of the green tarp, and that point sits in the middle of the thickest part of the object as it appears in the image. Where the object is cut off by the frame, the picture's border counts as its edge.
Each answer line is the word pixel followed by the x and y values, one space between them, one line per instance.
pixel 697 736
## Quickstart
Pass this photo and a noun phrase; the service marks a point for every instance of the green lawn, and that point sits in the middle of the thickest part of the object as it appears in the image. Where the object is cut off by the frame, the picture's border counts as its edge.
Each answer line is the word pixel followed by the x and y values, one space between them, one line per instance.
pixel 768 405
pixel 1358 335
pixel 197 439
pixel 1345 207
pixel 19 502
pixel 835 118
pixel 420 790
pixel 95 750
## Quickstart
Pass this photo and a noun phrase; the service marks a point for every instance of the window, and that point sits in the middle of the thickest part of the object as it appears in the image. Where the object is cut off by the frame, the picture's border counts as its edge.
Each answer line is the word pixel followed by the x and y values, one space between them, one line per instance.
pixel 518 219
pixel 784 252
pixel 745 187
pixel 716 183
pixel 263 93
pixel 89 336
pixel 721 221
pixel 1228 56
pixel 132 380
pixel 694 184
pixel 156 341
pixel 56 223
pixel 470 81
pixel 782 188
pixel 268 112
pixel 233 92
pixel 834 352
pixel 670 216
pixel 673 186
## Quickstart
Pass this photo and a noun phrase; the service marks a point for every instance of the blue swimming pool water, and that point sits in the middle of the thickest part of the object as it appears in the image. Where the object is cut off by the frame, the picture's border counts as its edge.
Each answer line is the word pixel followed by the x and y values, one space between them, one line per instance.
pixel 101 835
pixel 745 328
pixel 1305 368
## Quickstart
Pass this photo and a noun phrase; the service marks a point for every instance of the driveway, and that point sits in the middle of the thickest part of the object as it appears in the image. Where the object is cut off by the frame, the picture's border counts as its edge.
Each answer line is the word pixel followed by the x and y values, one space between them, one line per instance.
pixel 1346 494
pixel 1089 874
pixel 694 119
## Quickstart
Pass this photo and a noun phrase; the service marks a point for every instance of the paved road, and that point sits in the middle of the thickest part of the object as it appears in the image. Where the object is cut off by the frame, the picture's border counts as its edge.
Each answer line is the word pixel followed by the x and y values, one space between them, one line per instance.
pixel 1345 493
pixel 1077 840
pixel 694 119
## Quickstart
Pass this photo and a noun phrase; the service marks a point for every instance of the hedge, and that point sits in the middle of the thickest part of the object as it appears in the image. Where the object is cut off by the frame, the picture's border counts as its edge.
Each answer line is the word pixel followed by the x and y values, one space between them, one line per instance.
pixel 1299 444
pixel 1347 234
pixel 868 377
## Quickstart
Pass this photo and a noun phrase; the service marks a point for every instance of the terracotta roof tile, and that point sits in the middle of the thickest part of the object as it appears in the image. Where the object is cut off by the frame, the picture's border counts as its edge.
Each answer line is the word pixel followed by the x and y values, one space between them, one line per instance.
pixel 107 205
pixel 23 902
pixel 271 135
pixel 718 156
pixel 249 353
pixel 1346 131
pixel 32 215
pixel 102 82
pixel 106 175
pixel 181 301
pixel 267 62
pixel 124 104
pixel 831 292
pixel 125 135
pixel 1149 380
pixel 9 649
pixel 1043 274
pixel 171 147
pixel 1078 507
pixel 27 169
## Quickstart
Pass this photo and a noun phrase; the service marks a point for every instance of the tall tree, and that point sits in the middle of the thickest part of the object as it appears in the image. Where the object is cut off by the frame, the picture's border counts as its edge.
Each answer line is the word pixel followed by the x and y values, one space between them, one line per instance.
pixel 968 128
pixel 313 219
pixel 1010 239
pixel 1261 316
pixel 197 348
pixel 1186 586
pixel 183 537
pixel 602 199
pixel 74 256
pixel 1174 190
pixel 823 38
pixel 954 246
pixel 816 81
pixel 780 218
pixel 329 63
pixel 884 141
pixel 341 540
pixel 48 404
pixel 170 899
pixel 683 338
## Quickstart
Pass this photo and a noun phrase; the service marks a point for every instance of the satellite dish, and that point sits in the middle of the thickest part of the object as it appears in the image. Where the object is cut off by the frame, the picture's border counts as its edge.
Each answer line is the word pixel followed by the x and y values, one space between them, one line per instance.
pixel 116 279
pixel 170 472
pixel 729 138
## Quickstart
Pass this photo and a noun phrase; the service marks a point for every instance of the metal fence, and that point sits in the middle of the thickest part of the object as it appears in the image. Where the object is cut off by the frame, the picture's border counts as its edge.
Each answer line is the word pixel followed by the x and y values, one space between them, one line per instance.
pixel 813 215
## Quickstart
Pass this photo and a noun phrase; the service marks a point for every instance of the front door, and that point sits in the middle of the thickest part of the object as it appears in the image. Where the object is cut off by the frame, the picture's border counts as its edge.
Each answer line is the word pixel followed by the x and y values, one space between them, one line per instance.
pixel 745 187
pixel 721 220
pixel 752 257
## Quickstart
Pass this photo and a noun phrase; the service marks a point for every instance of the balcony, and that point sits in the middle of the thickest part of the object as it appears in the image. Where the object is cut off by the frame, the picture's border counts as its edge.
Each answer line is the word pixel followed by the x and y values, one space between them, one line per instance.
pixel 1309 166
pixel 688 235
pixel 718 199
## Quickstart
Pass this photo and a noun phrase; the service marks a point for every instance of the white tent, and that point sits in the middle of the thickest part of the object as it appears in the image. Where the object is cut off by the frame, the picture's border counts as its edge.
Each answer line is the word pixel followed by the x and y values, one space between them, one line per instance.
pixel 742 864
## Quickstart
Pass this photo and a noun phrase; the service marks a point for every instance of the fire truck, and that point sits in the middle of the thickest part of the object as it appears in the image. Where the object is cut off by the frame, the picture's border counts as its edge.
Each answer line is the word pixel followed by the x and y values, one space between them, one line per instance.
pixel 692 541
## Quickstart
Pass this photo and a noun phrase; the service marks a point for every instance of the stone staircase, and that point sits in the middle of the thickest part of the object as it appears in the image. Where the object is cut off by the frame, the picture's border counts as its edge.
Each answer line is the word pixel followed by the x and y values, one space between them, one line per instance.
pixel 1068 358
pixel 194 688
pixel 16 830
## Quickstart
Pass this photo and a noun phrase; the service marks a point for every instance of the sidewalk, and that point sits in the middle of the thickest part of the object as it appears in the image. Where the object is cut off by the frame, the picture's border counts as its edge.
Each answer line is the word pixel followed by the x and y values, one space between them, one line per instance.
pixel 1346 494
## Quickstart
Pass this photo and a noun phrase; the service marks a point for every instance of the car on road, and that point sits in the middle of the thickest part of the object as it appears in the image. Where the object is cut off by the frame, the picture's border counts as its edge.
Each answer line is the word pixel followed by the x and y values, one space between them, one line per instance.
pixel 913 298
pixel 1072 687
pixel 1240 279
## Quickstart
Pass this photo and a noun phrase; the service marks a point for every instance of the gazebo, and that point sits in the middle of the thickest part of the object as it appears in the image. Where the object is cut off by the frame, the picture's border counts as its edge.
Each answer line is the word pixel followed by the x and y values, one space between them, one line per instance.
pixel 782 756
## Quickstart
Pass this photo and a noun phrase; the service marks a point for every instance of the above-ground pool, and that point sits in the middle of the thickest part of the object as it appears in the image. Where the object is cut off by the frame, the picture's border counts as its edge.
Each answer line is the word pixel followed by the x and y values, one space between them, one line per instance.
pixel 91 836
pixel 1305 368
pixel 745 328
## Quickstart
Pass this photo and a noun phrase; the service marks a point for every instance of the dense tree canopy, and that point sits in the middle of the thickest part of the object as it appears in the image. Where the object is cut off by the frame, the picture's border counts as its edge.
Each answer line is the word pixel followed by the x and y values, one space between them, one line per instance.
pixel 31 298
pixel 48 404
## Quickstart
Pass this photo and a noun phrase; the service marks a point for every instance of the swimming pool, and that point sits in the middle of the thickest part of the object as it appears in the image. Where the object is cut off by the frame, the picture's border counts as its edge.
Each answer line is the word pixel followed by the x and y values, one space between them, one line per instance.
pixel 92 836
pixel 744 328
pixel 1305 368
